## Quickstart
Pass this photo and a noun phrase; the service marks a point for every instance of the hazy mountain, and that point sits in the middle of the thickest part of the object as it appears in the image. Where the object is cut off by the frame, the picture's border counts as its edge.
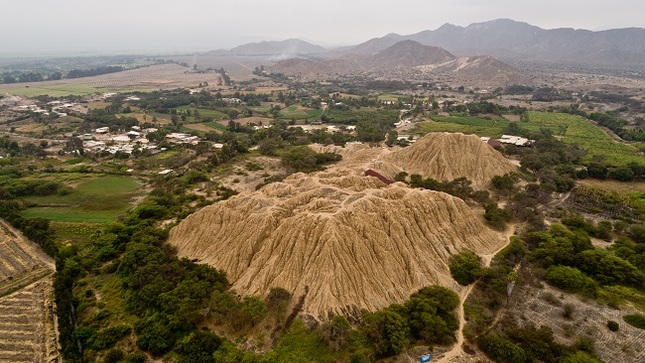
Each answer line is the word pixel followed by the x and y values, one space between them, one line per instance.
pixel 405 56
pixel 284 48
pixel 371 46
pixel 511 40
pixel 407 53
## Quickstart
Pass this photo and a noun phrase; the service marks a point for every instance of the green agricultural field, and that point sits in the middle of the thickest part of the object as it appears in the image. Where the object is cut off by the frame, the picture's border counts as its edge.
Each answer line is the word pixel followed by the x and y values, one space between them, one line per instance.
pixel 364 114
pixel 216 125
pixel 260 109
pixel 584 133
pixel 392 97
pixel 203 112
pixel 62 90
pixel 300 113
pixel 98 200
pixel 74 232
pixel 572 129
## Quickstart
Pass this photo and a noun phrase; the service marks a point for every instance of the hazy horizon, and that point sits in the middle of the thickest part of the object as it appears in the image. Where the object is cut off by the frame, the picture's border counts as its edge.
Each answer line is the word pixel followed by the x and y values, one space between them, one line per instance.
pixel 75 27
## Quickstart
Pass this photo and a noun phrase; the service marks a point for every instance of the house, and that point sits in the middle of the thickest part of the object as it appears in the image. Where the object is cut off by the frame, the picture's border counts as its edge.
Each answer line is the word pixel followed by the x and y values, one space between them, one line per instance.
pixel 180 138
pixel 515 140
pixel 121 139
pixel 102 130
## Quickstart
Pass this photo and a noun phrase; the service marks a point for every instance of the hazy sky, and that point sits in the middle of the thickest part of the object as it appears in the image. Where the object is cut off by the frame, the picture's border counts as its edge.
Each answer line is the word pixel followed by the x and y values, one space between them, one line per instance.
pixel 53 26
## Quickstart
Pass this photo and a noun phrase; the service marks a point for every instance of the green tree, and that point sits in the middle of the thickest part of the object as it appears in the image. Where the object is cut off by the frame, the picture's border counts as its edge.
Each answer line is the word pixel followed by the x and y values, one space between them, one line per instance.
pixel 465 267
pixel 501 349
pixel 391 138
pixel 254 309
pixel 387 330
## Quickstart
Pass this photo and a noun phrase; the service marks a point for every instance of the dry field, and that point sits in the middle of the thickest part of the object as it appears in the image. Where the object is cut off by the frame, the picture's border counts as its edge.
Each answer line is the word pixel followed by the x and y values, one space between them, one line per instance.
pixel 589 320
pixel 165 76
pixel 28 325
pixel 27 311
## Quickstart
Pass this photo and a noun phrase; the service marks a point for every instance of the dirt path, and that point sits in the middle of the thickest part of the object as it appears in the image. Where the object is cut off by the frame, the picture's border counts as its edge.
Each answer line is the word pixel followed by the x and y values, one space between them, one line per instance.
pixel 457 350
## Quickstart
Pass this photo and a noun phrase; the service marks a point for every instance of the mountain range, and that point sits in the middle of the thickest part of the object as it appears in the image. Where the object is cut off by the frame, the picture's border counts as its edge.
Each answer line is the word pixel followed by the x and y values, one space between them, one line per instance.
pixel 410 58
pixel 507 40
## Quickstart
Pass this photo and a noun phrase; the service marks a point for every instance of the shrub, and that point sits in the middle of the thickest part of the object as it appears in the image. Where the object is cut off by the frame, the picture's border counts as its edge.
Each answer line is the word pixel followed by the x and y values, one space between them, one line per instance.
pixel 580 357
pixel 501 349
pixel 635 320
pixel 568 310
pixel 569 278
pixel 109 337
pixel 612 325
pixel 497 217
pixel 114 356
pixel 199 347
pixel 465 267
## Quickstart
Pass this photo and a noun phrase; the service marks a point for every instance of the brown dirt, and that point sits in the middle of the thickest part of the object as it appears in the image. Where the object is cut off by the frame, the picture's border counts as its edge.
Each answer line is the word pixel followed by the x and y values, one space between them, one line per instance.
pixel 356 243
pixel 242 179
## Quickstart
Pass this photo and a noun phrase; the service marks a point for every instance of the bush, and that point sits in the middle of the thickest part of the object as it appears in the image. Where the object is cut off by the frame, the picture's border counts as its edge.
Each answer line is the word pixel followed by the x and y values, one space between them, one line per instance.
pixel 388 331
pixel 568 310
pixel 199 347
pixel 635 320
pixel 114 356
pixel 501 349
pixel 569 278
pixel 551 299
pixel 612 325
pixel 109 337
pixel 465 267
pixel 580 357
pixel 496 216
pixel 304 159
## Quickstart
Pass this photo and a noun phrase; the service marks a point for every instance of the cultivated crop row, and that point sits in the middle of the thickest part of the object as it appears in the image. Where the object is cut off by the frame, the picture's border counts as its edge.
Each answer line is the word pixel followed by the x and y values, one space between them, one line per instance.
pixel 27 325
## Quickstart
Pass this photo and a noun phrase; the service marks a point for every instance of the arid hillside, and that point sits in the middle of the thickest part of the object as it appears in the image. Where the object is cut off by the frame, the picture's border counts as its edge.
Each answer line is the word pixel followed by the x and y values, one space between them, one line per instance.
pixel 446 156
pixel 408 58
pixel 353 241
pixel 441 156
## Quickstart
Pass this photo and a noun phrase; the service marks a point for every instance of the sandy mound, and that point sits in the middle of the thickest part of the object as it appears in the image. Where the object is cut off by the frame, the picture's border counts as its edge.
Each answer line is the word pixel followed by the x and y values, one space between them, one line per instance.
pixel 447 156
pixel 356 243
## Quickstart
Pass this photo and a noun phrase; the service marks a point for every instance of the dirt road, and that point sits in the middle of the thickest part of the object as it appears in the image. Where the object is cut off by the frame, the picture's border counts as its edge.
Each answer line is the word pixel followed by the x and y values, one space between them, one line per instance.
pixel 457 351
